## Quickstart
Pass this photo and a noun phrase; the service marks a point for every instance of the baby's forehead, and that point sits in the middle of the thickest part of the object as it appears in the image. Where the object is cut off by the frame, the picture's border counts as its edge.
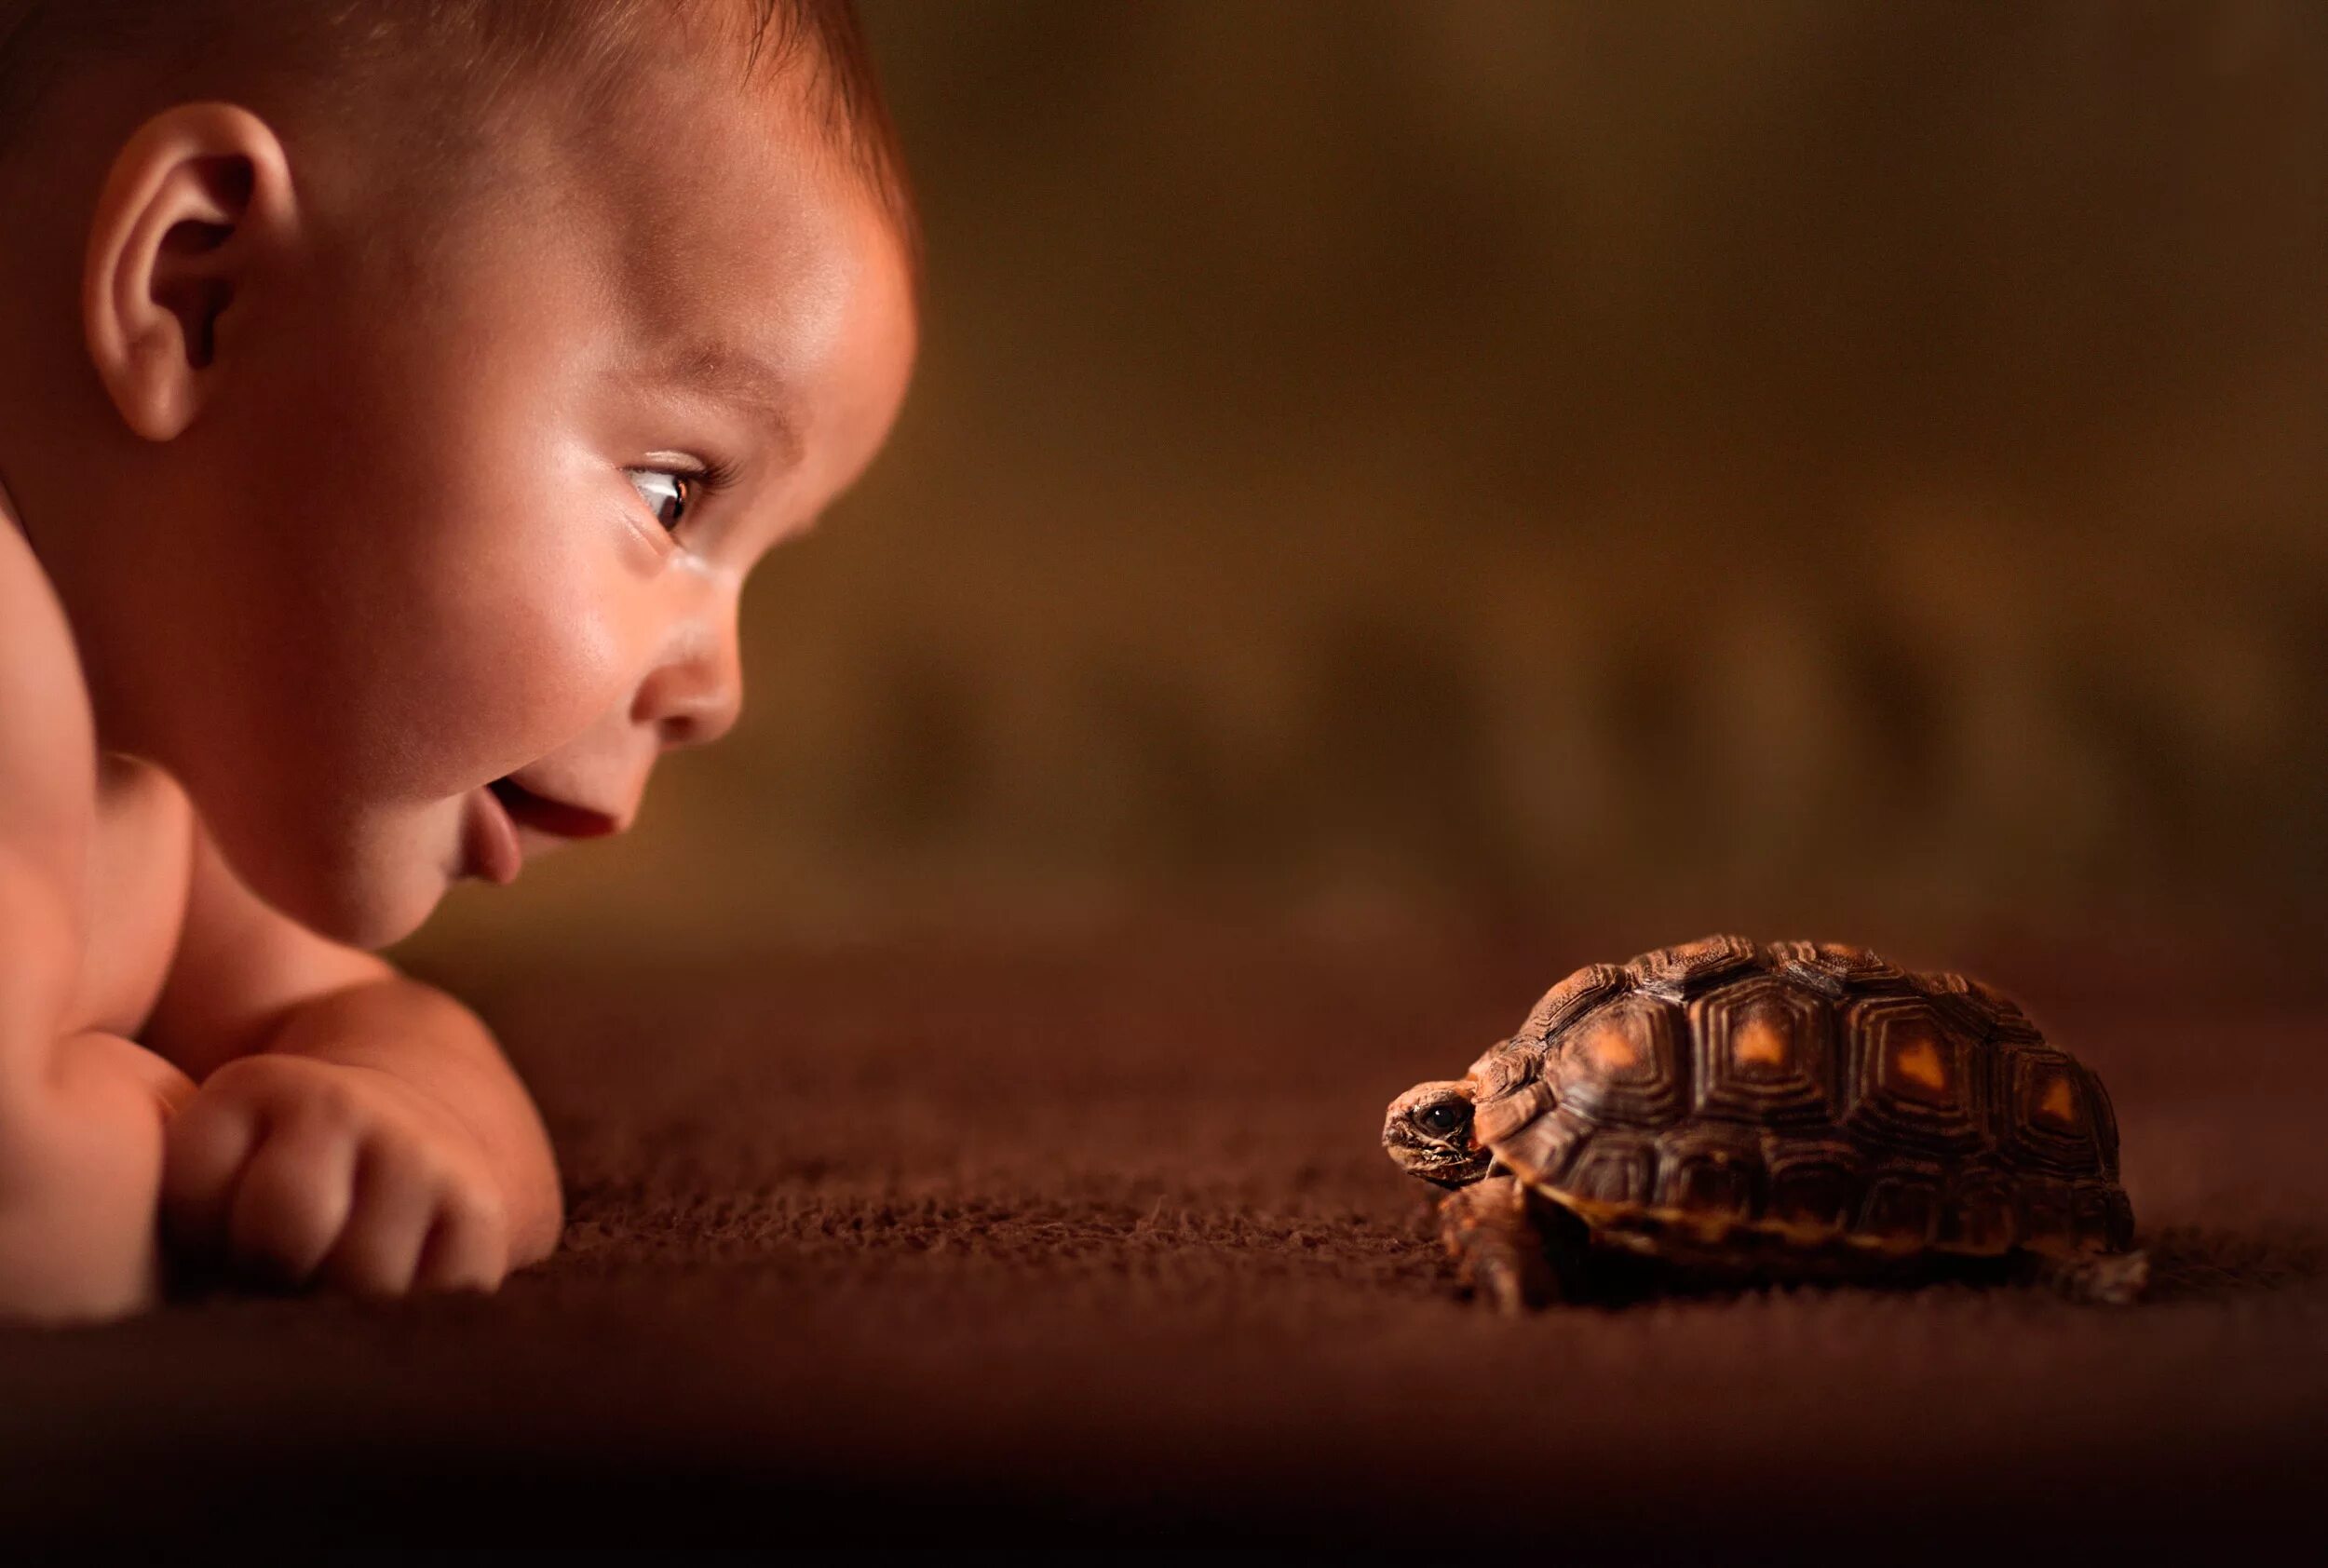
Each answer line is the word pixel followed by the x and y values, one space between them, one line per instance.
pixel 430 93
pixel 729 235
pixel 690 173
pixel 726 255
pixel 709 229
pixel 715 122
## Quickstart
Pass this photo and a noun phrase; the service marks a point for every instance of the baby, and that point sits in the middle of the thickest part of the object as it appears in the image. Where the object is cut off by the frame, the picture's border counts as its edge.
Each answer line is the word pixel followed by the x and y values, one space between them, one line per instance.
pixel 393 399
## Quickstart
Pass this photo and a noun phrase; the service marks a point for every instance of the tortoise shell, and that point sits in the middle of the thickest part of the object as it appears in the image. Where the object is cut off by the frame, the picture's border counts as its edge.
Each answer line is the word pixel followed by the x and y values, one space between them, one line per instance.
pixel 1801 1095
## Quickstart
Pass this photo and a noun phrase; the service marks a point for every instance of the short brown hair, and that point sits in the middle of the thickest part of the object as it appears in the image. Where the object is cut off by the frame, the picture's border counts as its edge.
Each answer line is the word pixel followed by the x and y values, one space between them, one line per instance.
pixel 478 49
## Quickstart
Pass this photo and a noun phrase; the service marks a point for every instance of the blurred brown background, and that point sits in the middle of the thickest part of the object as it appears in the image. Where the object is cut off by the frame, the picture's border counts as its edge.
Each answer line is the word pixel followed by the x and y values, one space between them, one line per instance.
pixel 1518 483
pixel 1643 468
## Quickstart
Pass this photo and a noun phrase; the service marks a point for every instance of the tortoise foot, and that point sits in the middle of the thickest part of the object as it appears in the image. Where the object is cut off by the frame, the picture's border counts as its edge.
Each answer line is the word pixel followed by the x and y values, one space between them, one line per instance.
pixel 1498 1250
pixel 2097 1279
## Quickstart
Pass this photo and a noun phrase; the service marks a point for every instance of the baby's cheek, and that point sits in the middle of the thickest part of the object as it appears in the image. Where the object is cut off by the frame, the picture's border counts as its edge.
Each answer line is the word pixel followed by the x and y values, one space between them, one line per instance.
pixel 502 621
pixel 541 668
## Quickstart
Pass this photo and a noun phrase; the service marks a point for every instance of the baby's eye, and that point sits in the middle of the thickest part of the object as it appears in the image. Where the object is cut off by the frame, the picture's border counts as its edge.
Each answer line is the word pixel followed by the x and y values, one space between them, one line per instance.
pixel 667 494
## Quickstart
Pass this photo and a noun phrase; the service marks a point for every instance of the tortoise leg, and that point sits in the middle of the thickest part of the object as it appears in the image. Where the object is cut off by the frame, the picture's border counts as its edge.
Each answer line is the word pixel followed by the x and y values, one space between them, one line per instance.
pixel 1497 1246
pixel 2094 1278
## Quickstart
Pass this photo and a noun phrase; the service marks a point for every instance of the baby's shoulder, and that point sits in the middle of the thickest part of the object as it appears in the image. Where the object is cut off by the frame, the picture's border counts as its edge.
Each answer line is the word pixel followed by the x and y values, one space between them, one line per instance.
pixel 102 843
pixel 48 738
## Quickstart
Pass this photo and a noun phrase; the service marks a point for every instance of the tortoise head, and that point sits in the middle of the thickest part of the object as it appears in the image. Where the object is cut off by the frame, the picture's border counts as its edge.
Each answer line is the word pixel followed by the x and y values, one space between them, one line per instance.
pixel 1427 1133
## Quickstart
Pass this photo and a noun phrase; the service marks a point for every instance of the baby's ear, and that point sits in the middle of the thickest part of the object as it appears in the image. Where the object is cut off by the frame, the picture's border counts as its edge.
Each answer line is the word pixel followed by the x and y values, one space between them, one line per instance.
pixel 197 205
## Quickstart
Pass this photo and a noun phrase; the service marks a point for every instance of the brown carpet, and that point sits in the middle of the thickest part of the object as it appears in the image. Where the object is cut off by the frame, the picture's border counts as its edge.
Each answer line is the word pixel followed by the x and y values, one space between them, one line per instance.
pixel 925 1246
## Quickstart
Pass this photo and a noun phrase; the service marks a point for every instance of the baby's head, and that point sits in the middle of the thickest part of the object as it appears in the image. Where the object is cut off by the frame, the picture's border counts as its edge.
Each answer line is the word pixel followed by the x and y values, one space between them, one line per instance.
pixel 399 393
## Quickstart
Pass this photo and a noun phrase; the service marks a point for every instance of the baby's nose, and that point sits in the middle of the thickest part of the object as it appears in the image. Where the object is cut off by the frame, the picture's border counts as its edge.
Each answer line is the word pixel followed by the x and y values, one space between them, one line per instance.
pixel 702 724
pixel 700 716
pixel 695 698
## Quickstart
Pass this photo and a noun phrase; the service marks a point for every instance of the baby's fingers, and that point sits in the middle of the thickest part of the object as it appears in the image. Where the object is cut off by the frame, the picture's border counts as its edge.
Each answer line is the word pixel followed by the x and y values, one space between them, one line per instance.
pixel 467 1248
pixel 395 1204
pixel 294 1200
pixel 204 1148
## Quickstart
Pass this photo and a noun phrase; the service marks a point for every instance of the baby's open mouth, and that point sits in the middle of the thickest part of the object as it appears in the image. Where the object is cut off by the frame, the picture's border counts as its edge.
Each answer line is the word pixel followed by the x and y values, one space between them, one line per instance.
pixel 559 818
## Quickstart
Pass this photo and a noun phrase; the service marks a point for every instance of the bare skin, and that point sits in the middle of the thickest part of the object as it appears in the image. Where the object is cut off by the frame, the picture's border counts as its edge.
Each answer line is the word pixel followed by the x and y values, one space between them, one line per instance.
pixel 327 515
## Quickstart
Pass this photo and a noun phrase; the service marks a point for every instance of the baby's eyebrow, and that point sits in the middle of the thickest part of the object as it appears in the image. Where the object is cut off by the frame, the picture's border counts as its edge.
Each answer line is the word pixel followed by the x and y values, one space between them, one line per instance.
pixel 739 377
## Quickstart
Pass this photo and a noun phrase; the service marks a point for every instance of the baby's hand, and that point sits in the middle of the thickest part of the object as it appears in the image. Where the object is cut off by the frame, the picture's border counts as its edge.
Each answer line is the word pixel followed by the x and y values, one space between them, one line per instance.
pixel 304 1171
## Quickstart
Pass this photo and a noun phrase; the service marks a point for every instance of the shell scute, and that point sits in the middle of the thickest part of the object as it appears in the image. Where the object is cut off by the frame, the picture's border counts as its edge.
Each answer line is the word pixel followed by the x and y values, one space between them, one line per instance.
pixel 1765 1052
pixel 2044 1212
pixel 1624 1064
pixel 2047 1113
pixel 1813 1184
pixel 1980 1214
pixel 1538 1152
pixel 1691 965
pixel 1710 1171
pixel 1903 1206
pixel 1838 969
pixel 1953 998
pixel 1614 1168
pixel 1495 1119
pixel 1914 1081
pixel 1570 1000
pixel 1504 1067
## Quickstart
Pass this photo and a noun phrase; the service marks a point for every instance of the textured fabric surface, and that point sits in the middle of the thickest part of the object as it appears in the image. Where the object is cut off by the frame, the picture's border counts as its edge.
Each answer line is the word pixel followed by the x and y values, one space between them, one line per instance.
pixel 946 1247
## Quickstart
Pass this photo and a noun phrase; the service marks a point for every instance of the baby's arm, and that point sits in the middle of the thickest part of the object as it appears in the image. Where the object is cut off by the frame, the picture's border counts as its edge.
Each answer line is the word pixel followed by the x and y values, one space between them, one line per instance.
pixel 48 809
pixel 352 1126
pixel 81 1112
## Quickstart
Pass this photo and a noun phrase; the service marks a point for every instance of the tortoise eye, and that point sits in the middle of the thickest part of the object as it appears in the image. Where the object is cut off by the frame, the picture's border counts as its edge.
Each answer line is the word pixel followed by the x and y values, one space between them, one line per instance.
pixel 1444 1117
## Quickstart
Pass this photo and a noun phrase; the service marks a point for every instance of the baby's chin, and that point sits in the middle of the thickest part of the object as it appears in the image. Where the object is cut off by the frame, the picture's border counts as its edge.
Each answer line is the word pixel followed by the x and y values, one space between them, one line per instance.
pixel 369 879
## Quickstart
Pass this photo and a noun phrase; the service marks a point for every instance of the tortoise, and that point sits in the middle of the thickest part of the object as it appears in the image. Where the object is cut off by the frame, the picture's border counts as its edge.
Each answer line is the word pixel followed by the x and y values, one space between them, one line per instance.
pixel 1721 1114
